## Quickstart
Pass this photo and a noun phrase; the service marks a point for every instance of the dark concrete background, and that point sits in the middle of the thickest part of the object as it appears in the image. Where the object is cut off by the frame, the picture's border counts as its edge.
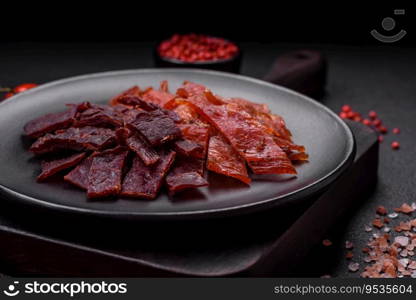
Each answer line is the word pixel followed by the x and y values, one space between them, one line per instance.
pixel 374 77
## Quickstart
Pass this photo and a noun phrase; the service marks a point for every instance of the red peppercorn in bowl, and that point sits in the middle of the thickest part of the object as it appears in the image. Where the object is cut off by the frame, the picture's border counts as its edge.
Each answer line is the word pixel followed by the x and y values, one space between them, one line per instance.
pixel 198 51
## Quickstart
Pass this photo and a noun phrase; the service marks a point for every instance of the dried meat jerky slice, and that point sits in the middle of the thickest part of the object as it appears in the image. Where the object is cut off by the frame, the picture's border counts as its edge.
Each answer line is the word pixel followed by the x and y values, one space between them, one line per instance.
pixel 171 114
pixel 104 177
pixel 79 175
pixel 246 135
pixel 51 167
pixel 185 165
pixel 179 182
pixel 189 89
pixel 122 134
pixel 100 116
pixel 185 114
pixel 299 156
pixel 139 103
pixel 85 138
pixel 159 98
pixel 250 107
pixel 50 122
pixel 145 181
pixel 147 154
pixel 156 127
pixel 186 174
pixel 188 148
pixel 279 125
pixel 263 114
pixel 198 134
pixel 223 159
pixel 164 86
pixel 133 91
pixel 273 166
pixel 288 146
pixel 130 115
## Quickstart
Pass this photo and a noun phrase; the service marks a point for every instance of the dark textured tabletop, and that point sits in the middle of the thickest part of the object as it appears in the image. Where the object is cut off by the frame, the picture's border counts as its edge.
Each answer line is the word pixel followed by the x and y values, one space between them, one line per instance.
pixel 367 78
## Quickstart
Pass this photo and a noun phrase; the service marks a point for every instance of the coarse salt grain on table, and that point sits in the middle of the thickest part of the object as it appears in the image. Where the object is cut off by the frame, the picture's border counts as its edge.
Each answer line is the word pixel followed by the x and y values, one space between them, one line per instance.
pixel 389 255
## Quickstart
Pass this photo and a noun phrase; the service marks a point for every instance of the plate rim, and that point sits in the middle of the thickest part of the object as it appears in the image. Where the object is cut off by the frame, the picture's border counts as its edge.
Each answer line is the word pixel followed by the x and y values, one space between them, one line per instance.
pixel 311 188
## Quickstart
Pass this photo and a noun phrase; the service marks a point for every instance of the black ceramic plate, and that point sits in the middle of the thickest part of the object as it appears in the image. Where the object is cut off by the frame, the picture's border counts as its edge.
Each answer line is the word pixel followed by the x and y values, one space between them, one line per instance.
pixel 328 140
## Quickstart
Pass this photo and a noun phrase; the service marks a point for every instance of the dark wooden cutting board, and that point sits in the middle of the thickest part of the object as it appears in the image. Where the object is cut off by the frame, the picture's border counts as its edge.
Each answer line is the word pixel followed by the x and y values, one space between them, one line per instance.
pixel 266 244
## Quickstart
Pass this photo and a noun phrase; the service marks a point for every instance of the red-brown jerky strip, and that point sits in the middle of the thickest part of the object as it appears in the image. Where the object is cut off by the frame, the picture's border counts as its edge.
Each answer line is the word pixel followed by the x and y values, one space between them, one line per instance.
pixel 156 127
pixel 51 167
pixel 247 136
pixel 189 89
pixel 137 101
pixel 223 159
pixel 79 175
pixel 186 174
pixel 52 122
pixel 189 148
pixel 100 116
pixel 288 146
pixel 145 181
pixel 198 134
pixel 185 165
pixel 274 124
pixel 180 182
pixel 147 154
pixel 122 134
pixel 133 91
pixel 140 104
pixel 104 178
pixel 157 97
pixel 298 156
pixel 262 113
pixel 85 138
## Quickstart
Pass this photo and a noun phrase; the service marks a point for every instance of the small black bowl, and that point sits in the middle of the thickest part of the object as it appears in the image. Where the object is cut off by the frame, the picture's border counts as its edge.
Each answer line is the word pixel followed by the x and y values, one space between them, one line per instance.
pixel 231 65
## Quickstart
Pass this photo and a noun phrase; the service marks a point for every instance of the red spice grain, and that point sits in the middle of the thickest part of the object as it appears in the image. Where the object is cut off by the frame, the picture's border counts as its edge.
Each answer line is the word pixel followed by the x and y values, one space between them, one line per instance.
pixel 350 115
pixel 367 122
pixel 395 145
pixel 353 267
pixel 346 108
pixel 405 208
pixel 326 243
pixel 349 245
pixel 378 223
pixel 372 114
pixel 382 129
pixel 381 210
pixel 343 115
pixel 377 122
pixel 396 130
